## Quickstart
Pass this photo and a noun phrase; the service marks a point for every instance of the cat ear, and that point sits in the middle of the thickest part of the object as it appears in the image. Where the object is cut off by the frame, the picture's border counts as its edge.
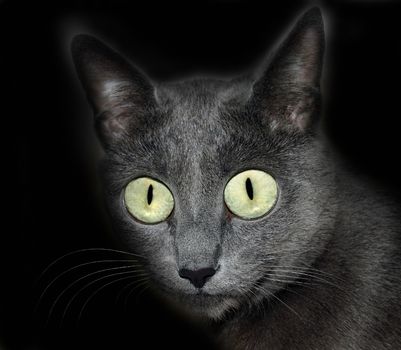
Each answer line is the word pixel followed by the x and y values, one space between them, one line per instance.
pixel 118 93
pixel 289 90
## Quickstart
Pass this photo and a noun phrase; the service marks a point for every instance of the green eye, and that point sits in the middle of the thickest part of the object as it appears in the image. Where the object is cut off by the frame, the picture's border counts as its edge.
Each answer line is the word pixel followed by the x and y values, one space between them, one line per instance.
pixel 251 194
pixel 148 200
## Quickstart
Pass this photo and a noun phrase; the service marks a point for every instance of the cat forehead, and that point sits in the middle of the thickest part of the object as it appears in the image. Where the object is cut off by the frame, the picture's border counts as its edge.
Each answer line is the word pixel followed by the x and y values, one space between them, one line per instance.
pixel 205 117
pixel 196 108
pixel 193 111
pixel 203 93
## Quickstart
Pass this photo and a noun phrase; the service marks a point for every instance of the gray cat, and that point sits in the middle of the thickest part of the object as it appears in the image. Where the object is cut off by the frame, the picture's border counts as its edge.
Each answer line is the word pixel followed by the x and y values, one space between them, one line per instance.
pixel 244 215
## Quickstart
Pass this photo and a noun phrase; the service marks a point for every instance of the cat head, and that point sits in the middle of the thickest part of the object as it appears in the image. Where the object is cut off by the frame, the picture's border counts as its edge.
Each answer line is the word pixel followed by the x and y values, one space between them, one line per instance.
pixel 221 185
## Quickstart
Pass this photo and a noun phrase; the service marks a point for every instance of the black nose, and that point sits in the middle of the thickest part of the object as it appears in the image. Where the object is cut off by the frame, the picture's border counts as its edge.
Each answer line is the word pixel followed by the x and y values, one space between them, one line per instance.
pixel 198 277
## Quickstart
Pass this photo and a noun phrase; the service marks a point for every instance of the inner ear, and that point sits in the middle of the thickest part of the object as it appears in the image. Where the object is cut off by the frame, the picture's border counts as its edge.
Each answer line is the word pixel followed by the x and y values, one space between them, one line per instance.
pixel 121 108
pixel 114 125
pixel 301 113
pixel 288 93
pixel 117 91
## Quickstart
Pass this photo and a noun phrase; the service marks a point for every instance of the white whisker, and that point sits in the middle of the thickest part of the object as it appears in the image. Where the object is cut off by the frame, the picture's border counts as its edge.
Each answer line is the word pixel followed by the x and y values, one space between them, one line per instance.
pixel 97 291
pixel 72 269
pixel 84 251
pixel 80 279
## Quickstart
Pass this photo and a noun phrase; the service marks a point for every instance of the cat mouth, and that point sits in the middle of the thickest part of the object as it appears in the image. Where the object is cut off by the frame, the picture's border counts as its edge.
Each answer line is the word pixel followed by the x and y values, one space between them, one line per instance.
pixel 204 299
pixel 203 304
pixel 200 295
pixel 199 302
pixel 200 298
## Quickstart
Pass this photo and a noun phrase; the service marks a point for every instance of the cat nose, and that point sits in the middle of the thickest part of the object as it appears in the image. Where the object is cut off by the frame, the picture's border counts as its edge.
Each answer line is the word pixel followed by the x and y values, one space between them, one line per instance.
pixel 197 277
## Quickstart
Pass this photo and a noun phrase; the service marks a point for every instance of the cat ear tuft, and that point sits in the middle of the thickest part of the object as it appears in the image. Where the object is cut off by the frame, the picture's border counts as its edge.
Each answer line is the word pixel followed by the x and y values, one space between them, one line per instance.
pixel 118 92
pixel 289 90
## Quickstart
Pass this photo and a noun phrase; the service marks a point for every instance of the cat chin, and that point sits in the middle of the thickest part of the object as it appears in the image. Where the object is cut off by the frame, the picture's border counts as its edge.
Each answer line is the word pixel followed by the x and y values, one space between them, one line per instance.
pixel 216 311
pixel 204 306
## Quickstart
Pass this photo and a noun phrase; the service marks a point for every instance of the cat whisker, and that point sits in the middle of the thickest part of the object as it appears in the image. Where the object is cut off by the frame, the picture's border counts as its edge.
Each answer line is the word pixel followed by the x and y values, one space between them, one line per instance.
pixel 296 274
pixel 304 274
pixel 131 273
pixel 253 301
pixel 270 294
pixel 145 286
pixel 58 277
pixel 310 270
pixel 124 289
pixel 291 250
pixel 97 291
pixel 143 282
pixel 288 281
pixel 75 252
pixel 312 300
pixel 82 278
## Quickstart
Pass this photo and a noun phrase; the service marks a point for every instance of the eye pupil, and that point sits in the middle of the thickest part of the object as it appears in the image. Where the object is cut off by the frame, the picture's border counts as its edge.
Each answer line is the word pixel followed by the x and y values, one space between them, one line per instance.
pixel 249 188
pixel 150 194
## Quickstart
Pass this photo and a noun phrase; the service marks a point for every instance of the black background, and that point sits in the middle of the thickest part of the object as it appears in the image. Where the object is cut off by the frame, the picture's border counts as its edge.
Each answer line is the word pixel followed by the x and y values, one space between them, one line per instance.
pixel 56 206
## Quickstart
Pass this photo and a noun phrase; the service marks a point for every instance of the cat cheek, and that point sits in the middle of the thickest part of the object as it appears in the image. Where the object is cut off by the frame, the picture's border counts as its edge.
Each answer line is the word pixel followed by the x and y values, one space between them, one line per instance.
pixel 228 214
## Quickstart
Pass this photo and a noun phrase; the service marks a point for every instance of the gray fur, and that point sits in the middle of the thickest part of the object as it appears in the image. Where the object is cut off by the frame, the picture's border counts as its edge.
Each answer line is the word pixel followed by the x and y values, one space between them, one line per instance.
pixel 321 271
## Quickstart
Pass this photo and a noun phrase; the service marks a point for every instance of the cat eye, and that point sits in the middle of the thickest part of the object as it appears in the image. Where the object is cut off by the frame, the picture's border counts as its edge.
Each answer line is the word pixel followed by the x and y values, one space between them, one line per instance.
pixel 148 200
pixel 251 194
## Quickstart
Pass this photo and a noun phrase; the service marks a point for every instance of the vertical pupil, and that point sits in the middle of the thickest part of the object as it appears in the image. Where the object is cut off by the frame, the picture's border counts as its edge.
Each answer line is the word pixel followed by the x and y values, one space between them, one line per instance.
pixel 150 194
pixel 249 188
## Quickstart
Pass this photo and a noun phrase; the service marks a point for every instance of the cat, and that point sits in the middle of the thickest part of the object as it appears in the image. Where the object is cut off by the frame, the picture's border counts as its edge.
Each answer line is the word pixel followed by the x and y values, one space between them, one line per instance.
pixel 245 215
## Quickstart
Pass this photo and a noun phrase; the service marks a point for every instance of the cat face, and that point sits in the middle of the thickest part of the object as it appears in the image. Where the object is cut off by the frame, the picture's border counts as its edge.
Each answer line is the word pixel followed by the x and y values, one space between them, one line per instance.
pixel 186 162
